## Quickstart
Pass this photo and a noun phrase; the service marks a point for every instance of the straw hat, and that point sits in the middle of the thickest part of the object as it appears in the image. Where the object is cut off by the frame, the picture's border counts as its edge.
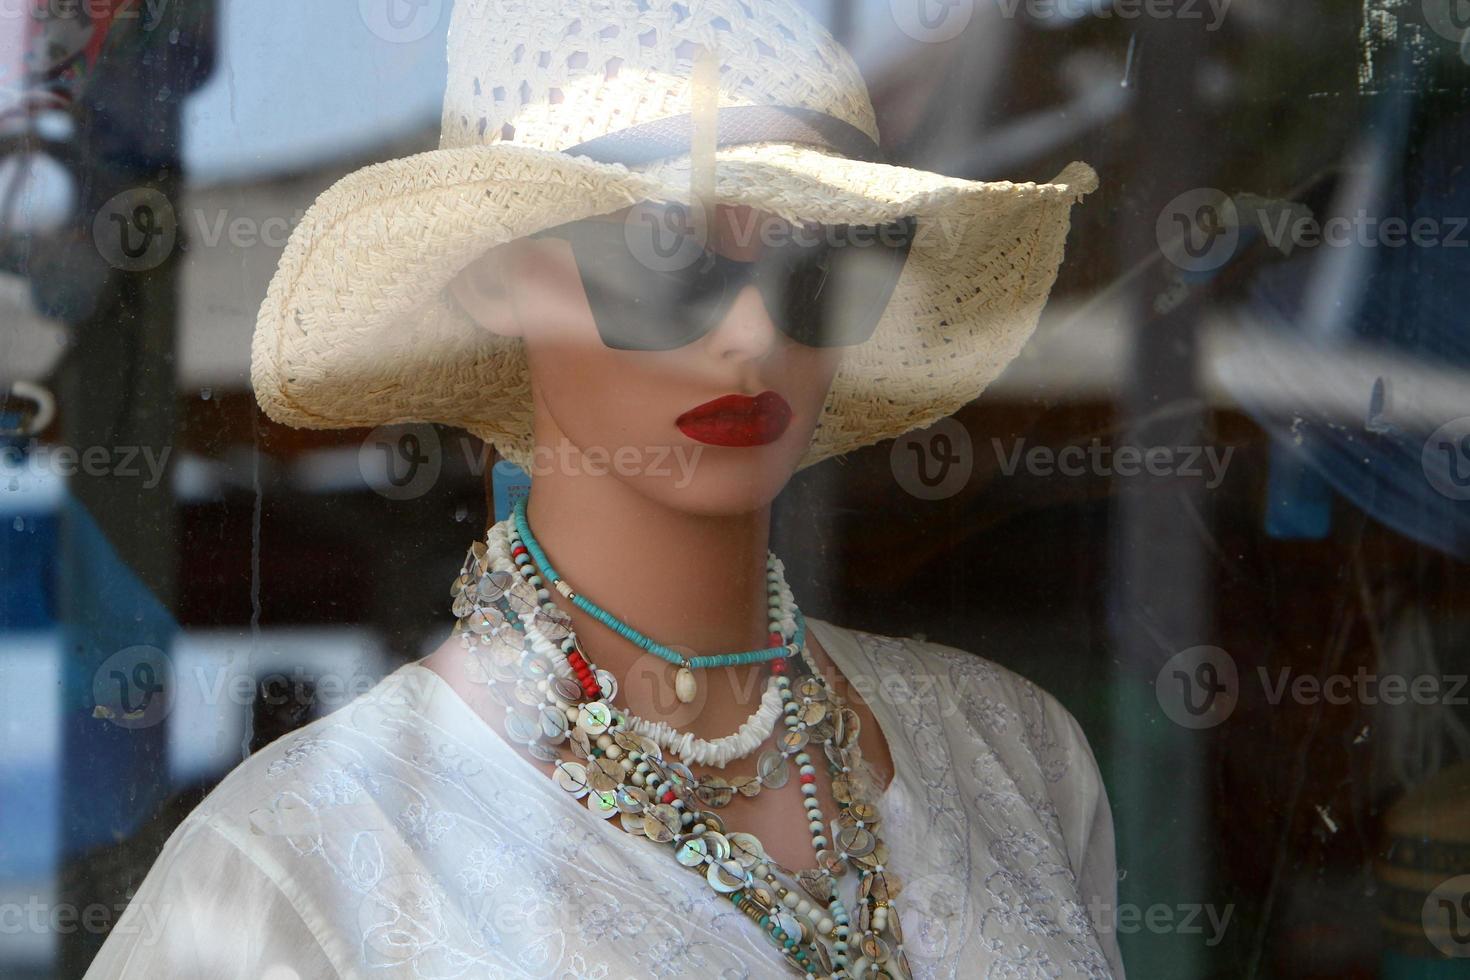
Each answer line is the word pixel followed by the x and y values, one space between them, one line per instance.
pixel 357 328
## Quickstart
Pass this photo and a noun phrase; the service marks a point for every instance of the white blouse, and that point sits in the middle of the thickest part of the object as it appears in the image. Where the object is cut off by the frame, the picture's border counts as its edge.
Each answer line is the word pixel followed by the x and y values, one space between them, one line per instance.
pixel 401 837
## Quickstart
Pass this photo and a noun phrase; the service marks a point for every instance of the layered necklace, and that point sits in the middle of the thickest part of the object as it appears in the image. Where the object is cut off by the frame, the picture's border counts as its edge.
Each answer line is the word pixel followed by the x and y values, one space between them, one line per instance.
pixel 561 709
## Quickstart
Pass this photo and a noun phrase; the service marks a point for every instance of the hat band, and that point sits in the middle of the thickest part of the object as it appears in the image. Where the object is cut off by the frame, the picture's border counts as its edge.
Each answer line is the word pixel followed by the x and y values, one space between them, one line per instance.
pixel 735 126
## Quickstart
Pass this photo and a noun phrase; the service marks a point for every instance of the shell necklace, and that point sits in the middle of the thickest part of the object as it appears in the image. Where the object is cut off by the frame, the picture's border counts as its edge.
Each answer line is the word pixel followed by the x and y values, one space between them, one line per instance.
pixel 720 752
pixel 560 709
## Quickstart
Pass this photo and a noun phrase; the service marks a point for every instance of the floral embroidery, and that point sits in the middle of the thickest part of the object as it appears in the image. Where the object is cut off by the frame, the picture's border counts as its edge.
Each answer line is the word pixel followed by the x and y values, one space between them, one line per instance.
pixel 418 837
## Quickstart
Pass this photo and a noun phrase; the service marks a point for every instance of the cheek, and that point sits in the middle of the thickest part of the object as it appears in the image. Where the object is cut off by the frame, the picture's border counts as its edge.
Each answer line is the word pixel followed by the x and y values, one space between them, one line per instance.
pixel 603 397
pixel 810 376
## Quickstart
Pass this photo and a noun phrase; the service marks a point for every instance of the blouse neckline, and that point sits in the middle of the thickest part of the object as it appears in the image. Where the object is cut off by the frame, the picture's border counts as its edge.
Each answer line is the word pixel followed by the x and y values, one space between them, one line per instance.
pixel 468 720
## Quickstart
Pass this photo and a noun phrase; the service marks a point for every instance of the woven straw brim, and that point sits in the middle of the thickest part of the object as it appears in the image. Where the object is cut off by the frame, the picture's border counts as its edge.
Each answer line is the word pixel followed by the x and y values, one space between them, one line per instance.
pixel 357 329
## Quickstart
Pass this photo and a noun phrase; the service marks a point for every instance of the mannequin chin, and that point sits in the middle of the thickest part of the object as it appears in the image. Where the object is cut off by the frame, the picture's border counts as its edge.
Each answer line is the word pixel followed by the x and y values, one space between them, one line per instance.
pixel 609 414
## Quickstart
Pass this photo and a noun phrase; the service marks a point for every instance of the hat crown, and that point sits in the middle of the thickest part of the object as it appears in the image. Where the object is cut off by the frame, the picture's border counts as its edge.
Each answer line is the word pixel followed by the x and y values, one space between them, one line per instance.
pixel 554 73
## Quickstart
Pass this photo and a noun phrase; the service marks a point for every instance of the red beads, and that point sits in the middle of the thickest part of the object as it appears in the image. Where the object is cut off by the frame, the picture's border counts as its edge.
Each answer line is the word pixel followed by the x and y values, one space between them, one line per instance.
pixel 778 666
pixel 668 797
pixel 809 777
pixel 775 640
pixel 584 674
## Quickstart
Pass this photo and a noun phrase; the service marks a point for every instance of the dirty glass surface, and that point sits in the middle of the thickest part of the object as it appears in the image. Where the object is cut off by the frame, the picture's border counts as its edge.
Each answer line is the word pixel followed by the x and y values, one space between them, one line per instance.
pixel 1217 506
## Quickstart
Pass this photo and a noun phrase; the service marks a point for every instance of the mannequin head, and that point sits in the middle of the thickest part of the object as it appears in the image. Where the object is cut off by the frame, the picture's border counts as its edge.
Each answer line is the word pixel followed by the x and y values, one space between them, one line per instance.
pixel 608 414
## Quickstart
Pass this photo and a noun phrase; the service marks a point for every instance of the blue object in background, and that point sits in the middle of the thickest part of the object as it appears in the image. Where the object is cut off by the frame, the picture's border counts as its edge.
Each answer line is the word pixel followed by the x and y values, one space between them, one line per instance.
pixel 1298 500
pixel 511 484
pixel 48 668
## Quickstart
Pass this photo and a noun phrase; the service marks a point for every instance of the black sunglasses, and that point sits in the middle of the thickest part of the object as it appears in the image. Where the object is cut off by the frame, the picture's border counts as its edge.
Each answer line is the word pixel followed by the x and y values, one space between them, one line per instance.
pixel 652 284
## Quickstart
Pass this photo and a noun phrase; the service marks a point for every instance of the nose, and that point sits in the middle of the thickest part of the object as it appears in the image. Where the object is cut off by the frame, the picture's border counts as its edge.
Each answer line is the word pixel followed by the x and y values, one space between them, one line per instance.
pixel 747 332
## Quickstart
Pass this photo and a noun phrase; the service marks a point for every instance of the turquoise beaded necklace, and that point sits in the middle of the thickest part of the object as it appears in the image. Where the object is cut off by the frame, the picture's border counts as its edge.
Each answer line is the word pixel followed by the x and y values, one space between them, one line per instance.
pixel 780 645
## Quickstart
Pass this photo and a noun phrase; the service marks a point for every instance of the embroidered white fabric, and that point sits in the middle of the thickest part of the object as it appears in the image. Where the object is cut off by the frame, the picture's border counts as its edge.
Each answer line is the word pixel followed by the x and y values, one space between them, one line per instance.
pixel 401 837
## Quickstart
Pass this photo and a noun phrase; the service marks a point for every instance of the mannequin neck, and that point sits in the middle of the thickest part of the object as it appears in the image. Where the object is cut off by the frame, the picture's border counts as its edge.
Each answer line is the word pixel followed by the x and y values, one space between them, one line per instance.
pixel 694 582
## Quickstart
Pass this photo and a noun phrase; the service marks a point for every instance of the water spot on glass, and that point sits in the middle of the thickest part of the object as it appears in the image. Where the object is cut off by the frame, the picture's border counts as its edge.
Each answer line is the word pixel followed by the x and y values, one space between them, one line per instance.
pixel 206 393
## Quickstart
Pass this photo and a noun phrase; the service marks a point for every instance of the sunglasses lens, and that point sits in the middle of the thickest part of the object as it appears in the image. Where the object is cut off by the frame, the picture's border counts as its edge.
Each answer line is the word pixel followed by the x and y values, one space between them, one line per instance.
pixel 835 292
pixel 652 285
pixel 641 297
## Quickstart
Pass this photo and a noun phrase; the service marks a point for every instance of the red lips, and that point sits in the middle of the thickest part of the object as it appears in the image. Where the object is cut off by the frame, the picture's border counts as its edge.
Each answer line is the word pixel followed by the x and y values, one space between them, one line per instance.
pixel 737 420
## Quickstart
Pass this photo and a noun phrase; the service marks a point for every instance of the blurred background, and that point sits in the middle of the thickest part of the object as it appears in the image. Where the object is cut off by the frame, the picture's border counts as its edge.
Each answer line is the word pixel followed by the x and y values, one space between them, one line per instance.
pixel 1218 507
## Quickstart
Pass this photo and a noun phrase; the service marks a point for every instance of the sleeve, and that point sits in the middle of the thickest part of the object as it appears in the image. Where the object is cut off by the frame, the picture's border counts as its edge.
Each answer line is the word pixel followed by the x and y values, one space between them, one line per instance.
pixel 207 912
pixel 1087 822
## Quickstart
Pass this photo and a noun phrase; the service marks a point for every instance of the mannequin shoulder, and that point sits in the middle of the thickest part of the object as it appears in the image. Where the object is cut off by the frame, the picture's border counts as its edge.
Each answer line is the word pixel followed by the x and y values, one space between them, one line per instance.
pixel 960 673
pixel 968 692
pixel 315 774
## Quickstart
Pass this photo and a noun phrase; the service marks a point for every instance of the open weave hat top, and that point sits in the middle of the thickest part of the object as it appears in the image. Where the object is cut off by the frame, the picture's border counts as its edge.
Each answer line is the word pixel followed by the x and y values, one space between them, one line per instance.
pixel 357 328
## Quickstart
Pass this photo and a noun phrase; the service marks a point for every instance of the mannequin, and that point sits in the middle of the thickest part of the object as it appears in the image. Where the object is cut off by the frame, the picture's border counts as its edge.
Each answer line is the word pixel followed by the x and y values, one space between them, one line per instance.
pixel 425 831
pixel 699 577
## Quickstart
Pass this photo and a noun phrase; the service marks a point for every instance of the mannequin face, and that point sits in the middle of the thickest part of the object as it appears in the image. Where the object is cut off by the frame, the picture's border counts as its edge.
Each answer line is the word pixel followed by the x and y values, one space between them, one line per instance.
pixel 643 417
